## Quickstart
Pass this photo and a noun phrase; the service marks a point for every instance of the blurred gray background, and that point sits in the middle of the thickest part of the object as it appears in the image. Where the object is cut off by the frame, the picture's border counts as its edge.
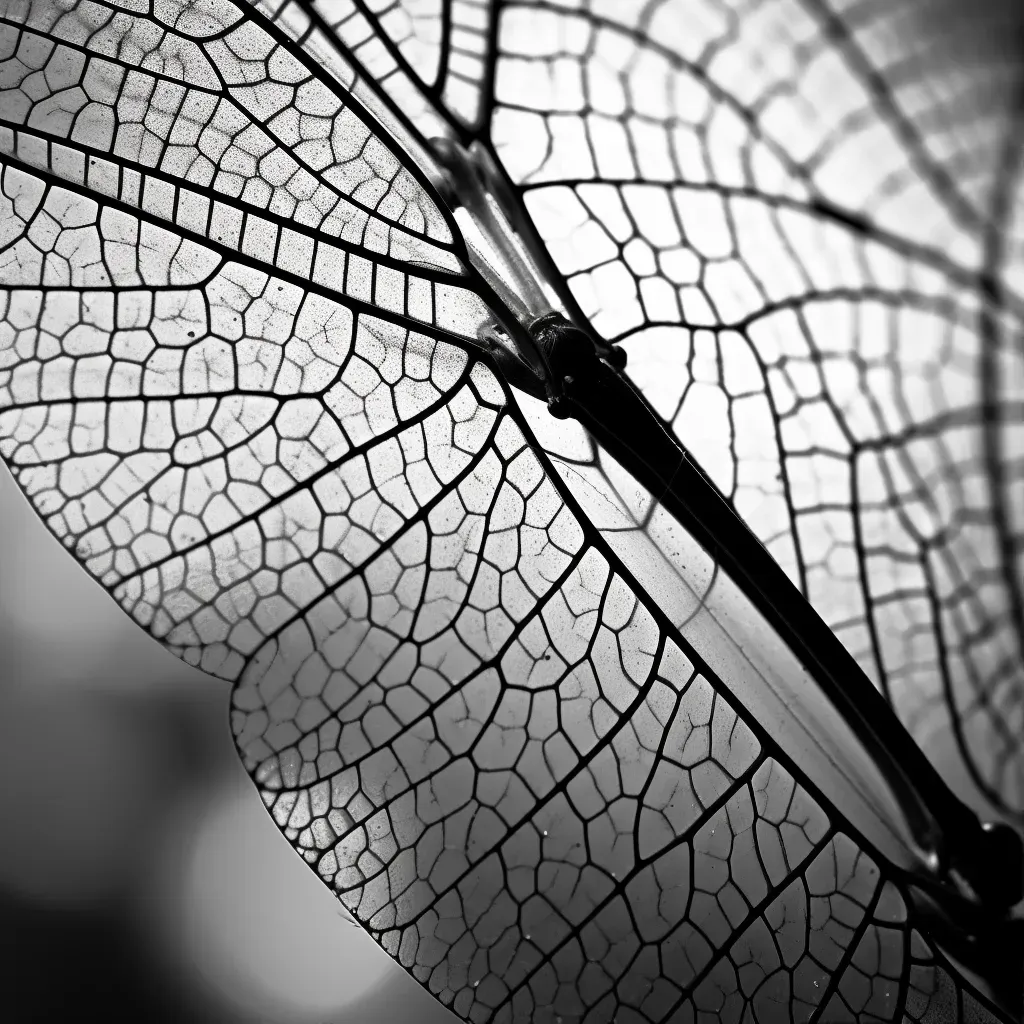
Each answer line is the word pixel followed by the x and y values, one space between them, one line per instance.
pixel 140 876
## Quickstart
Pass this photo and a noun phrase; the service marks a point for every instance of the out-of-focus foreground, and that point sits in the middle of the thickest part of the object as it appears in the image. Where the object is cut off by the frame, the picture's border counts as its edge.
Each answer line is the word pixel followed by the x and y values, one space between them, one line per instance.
pixel 140 877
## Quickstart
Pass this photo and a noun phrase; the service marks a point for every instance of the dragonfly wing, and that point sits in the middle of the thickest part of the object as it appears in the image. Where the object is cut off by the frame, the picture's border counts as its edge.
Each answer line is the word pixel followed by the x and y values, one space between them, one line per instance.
pixel 239 381
pixel 432 58
pixel 807 247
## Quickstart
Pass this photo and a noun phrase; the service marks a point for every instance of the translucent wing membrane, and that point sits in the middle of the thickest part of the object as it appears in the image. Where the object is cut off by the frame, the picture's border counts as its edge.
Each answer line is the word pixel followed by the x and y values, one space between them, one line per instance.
pixel 240 380
pixel 434 57
pixel 803 220
pixel 808 249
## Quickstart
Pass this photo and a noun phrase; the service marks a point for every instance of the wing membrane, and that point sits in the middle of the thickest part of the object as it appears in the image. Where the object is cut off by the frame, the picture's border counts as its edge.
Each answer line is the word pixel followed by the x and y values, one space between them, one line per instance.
pixel 433 58
pixel 803 224
pixel 805 294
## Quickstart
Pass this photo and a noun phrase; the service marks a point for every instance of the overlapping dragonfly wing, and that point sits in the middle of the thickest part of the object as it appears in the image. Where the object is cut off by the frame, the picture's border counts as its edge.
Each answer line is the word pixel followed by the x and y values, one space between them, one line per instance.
pixel 211 263
pixel 573 822
pixel 432 57
pixel 804 224
pixel 235 381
